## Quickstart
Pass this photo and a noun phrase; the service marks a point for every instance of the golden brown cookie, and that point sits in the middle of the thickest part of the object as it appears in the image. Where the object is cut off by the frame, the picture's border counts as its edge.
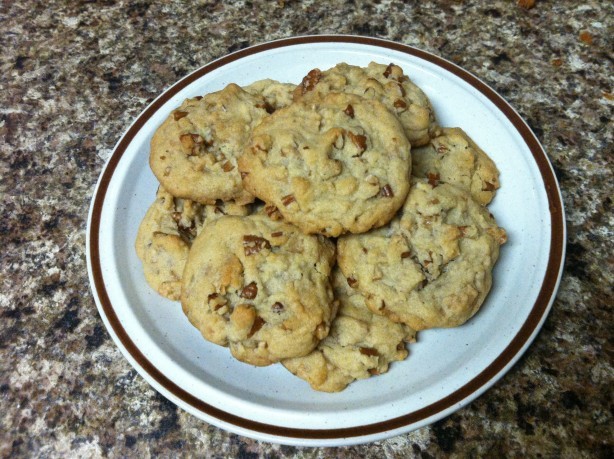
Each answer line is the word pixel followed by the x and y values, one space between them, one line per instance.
pixel 385 83
pixel 330 165
pixel 194 152
pixel 260 287
pixel 277 95
pixel 432 265
pixel 360 344
pixel 454 158
pixel 166 234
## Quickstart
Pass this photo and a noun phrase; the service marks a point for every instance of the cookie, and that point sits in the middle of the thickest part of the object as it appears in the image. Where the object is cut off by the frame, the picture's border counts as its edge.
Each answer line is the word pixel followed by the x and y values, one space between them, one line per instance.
pixel 166 234
pixel 432 265
pixel 260 287
pixel 277 95
pixel 454 158
pixel 385 83
pixel 193 153
pixel 330 165
pixel 360 344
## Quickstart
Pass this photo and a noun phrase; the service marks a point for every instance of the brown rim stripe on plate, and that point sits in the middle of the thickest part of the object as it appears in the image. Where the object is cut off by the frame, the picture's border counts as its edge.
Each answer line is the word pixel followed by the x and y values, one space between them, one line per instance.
pixel 540 307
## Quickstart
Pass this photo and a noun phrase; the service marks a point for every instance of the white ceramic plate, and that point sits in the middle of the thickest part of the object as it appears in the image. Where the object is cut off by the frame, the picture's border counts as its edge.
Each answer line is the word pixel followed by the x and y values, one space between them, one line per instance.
pixel 446 369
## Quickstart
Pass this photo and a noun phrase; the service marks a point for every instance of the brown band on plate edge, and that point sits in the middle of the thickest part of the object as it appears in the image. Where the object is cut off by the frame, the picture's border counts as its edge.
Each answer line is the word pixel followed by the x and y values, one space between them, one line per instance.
pixel 542 302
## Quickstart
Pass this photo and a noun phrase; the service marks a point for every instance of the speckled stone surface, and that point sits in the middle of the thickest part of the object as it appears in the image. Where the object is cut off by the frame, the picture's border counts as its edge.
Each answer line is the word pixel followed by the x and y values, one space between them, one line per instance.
pixel 75 74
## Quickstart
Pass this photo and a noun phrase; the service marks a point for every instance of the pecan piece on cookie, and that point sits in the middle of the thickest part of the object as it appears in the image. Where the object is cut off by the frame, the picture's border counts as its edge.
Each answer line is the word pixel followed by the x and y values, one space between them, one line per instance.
pixel 254 244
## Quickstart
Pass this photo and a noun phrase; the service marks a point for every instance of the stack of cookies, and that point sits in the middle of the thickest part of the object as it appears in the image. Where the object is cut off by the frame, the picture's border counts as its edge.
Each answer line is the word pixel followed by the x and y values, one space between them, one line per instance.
pixel 320 225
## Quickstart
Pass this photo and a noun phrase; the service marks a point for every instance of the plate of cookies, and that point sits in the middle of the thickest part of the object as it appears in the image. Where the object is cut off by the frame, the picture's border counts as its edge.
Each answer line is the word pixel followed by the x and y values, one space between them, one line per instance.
pixel 325 240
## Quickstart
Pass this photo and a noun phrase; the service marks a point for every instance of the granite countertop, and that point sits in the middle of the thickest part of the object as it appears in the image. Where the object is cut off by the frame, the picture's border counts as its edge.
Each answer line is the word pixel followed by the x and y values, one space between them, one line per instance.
pixel 74 76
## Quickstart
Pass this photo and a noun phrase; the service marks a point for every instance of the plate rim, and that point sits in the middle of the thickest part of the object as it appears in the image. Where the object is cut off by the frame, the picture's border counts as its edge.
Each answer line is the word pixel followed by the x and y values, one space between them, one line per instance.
pixel 460 397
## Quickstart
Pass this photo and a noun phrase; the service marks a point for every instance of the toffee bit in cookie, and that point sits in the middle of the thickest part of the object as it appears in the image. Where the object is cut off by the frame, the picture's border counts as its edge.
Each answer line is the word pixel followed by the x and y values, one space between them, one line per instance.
pixel 339 141
pixel 192 143
pixel 254 244
pixel 387 192
pixel 178 115
pixel 186 141
pixel 217 303
pixel 277 307
pixel 227 166
pixel 369 93
pixel 287 200
pixel 219 306
pixel 352 282
pixel 349 111
pixel 400 104
pixel 359 140
pixel 433 179
pixel 249 291
pixel 372 180
pixel 406 255
pixel 258 147
pixel 258 323
pixel 198 97
pixel 197 139
pixel 499 234
pixel 388 70
pixel 310 80
pixel 373 371
pixel 369 351
pixel 277 234
pixel 489 187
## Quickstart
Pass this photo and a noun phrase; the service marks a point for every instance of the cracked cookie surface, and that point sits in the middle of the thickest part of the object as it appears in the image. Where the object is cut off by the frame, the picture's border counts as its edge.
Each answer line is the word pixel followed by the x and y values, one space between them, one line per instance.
pixel 277 95
pixel 194 152
pixel 335 164
pixel 432 265
pixel 360 344
pixel 385 83
pixel 260 287
pixel 166 234
pixel 454 158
